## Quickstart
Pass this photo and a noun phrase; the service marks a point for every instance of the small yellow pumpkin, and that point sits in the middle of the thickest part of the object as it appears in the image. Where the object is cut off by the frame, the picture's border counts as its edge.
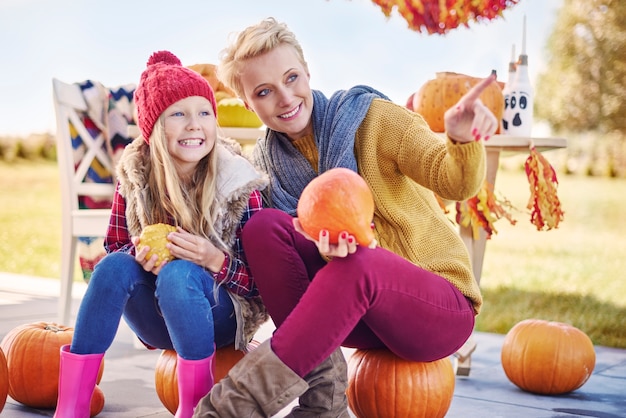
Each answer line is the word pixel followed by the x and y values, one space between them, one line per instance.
pixel 547 357
pixel 155 237
pixel 232 112
pixel 382 385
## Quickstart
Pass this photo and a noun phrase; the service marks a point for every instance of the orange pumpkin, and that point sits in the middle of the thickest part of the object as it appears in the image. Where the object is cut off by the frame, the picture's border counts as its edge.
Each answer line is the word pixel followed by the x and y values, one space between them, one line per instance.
pixel 547 357
pixel 166 381
pixel 382 385
pixel 445 90
pixel 338 200
pixel 33 356
pixel 4 380
pixel 97 402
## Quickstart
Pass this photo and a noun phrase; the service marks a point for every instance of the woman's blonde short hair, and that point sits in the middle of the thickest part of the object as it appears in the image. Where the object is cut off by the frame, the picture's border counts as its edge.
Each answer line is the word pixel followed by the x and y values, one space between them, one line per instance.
pixel 253 41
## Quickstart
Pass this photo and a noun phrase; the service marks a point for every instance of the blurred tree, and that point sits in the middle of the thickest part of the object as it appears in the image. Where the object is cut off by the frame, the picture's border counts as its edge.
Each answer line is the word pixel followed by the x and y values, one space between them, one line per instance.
pixel 584 88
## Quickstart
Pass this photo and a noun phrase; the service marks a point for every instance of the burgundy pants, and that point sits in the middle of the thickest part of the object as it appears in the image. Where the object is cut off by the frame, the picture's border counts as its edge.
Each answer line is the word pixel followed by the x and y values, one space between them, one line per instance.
pixel 370 299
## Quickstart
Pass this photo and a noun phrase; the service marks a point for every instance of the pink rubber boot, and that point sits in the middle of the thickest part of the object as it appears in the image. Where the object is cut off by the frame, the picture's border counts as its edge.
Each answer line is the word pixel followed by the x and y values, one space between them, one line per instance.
pixel 195 380
pixel 77 380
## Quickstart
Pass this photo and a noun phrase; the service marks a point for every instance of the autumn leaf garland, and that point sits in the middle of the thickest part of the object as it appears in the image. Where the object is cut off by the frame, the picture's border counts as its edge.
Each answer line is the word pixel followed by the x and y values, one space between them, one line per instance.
pixel 440 16
pixel 543 203
pixel 482 211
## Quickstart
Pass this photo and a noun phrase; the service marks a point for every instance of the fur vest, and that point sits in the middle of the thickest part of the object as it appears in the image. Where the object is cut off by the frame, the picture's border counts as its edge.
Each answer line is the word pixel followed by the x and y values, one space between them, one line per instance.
pixel 236 179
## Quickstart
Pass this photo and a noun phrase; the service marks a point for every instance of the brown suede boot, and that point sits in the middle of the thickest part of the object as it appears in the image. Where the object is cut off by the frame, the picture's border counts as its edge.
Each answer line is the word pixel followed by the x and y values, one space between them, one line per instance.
pixel 326 397
pixel 259 385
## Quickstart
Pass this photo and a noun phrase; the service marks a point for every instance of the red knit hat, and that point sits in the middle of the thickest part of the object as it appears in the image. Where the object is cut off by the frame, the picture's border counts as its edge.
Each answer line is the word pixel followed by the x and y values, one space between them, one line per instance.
pixel 164 82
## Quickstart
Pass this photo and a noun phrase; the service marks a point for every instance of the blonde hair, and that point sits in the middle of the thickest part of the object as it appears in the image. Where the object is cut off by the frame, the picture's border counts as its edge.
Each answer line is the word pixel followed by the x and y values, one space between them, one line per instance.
pixel 253 41
pixel 192 203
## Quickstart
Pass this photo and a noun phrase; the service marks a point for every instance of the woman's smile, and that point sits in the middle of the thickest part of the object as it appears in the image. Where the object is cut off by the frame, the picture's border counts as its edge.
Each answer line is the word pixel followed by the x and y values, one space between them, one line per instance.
pixel 291 113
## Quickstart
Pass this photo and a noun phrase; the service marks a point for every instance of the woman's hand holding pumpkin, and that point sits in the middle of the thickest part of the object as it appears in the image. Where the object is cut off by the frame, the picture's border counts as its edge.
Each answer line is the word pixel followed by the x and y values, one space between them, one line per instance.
pixel 470 120
pixel 346 243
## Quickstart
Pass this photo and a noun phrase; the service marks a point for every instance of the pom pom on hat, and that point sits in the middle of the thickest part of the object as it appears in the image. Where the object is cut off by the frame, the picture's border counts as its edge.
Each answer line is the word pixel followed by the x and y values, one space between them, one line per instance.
pixel 166 57
pixel 164 82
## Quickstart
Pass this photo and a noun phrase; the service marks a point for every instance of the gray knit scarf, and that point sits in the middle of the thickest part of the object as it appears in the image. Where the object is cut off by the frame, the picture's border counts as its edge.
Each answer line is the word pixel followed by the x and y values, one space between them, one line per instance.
pixel 335 122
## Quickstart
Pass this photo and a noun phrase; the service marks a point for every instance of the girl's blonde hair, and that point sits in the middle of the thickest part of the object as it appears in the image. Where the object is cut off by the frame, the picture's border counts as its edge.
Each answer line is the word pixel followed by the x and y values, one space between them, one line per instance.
pixel 192 203
pixel 253 41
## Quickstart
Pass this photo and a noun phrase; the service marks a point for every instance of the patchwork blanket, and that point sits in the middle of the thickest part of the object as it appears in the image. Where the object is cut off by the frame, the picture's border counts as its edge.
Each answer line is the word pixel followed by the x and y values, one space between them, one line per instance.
pixel 110 112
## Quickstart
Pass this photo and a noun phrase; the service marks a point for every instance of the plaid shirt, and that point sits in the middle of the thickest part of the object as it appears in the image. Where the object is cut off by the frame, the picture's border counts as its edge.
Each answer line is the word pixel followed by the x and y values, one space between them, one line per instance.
pixel 234 274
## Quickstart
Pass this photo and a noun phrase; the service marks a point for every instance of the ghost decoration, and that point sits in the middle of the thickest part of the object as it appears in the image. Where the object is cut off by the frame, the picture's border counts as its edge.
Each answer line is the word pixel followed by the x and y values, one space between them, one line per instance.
pixel 517 118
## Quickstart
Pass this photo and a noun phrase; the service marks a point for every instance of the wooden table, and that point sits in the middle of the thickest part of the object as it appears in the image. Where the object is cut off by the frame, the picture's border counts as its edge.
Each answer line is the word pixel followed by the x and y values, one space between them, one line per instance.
pixel 496 146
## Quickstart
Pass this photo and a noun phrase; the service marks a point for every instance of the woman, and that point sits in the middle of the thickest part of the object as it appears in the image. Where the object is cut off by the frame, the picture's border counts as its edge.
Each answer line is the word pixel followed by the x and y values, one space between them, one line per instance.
pixel 415 294
pixel 177 172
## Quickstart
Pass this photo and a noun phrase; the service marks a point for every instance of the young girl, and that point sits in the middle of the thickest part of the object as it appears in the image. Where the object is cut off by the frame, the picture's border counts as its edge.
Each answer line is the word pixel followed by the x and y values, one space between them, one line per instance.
pixel 415 294
pixel 177 172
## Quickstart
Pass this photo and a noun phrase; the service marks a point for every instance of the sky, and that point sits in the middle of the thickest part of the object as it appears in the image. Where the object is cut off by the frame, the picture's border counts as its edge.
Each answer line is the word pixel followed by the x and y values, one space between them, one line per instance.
pixel 345 42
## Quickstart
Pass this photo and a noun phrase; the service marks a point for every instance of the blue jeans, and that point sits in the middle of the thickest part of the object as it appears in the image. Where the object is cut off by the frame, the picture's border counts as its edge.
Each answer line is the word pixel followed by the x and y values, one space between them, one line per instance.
pixel 182 308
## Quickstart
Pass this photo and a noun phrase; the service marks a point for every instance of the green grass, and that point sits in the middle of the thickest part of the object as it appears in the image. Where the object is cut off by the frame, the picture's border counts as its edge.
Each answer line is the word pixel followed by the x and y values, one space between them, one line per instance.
pixel 572 274
pixel 30 218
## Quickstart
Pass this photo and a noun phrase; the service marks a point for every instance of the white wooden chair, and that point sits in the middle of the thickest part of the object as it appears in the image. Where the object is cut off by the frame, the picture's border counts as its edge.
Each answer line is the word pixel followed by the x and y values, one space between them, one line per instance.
pixel 81 150
pixel 70 106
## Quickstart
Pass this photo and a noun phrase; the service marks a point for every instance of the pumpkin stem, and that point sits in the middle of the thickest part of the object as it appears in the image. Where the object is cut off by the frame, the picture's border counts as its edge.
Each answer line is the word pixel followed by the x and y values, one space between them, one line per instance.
pixel 53 328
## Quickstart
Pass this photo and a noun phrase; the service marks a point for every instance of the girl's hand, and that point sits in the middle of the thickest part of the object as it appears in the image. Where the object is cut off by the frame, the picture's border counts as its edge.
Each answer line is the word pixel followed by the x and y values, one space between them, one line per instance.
pixel 346 245
pixel 196 249
pixel 470 120
pixel 150 264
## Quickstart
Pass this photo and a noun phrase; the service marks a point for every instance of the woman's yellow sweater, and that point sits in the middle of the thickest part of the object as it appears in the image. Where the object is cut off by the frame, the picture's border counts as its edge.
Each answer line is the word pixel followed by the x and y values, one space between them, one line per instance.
pixel 404 162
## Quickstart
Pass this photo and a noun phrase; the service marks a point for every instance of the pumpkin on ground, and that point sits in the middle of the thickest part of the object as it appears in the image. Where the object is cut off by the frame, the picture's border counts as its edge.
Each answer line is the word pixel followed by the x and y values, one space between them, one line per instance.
pixel 33 357
pixel 547 357
pixel 166 381
pixel 382 385
pixel 338 200
pixel 97 402
pixel 4 380
pixel 445 90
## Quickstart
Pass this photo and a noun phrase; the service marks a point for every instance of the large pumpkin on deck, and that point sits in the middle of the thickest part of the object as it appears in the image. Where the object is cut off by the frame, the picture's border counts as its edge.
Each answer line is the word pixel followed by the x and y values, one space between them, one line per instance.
pixel 33 357
pixel 547 357
pixel 166 380
pixel 445 90
pixel 338 200
pixel 382 385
